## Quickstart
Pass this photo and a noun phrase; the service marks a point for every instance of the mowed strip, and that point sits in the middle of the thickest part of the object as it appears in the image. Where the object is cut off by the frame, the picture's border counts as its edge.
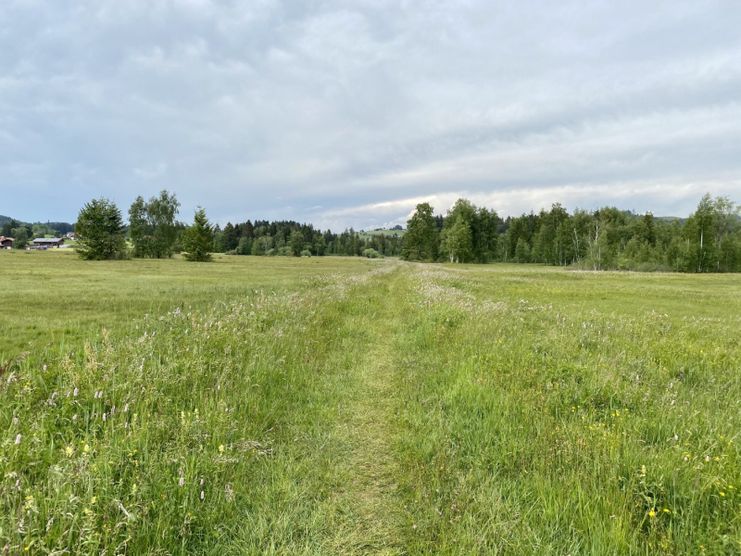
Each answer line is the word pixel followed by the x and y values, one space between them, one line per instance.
pixel 370 515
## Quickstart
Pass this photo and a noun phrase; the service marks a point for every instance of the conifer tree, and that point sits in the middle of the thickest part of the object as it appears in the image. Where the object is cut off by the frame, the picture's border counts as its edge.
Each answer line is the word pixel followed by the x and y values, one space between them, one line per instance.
pixel 198 238
pixel 100 231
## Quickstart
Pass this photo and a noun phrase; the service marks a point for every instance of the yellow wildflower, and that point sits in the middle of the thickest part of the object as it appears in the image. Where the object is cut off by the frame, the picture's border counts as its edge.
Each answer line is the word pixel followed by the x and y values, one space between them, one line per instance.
pixel 652 513
pixel 221 448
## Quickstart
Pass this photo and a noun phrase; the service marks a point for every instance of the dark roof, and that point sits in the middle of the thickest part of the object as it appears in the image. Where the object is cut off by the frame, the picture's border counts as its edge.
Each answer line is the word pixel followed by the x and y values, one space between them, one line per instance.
pixel 48 240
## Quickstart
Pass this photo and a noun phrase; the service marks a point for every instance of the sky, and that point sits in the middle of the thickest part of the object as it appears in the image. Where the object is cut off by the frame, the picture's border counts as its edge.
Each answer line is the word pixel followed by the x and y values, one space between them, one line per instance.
pixel 349 113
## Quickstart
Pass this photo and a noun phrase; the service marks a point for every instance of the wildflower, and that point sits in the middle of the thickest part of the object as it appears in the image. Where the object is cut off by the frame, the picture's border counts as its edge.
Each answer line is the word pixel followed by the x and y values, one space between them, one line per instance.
pixel 69 450
pixel 666 511
pixel 86 448
pixel 75 392
pixel 203 496
pixel 181 481
pixel 18 439
pixel 93 500
pixel 221 448
pixel 721 493
pixel 652 513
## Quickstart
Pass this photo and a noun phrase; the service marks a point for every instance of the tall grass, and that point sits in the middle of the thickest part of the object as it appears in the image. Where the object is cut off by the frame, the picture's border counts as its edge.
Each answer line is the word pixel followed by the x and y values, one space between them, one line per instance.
pixel 532 426
pixel 379 407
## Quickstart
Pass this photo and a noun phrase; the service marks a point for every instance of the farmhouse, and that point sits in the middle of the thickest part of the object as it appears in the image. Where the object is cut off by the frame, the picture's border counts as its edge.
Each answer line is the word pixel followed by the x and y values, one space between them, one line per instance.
pixel 6 242
pixel 45 242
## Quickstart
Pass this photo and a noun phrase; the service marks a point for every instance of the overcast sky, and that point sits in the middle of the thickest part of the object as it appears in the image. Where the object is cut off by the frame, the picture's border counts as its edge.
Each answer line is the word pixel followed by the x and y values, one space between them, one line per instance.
pixel 348 113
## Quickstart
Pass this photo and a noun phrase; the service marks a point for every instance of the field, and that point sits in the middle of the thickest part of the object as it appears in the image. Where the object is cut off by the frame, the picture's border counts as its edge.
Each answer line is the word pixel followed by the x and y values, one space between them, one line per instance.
pixel 348 406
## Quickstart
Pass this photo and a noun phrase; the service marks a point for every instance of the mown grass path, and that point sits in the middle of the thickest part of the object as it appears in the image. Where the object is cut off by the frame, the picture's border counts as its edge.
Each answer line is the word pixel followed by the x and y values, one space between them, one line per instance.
pixel 372 517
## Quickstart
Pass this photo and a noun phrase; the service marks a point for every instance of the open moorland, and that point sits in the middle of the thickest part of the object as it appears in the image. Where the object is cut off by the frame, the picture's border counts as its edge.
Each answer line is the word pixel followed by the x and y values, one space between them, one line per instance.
pixel 347 406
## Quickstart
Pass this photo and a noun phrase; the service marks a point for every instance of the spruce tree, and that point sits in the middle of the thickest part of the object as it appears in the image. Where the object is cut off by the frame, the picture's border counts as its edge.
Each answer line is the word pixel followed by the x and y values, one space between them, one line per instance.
pixel 100 231
pixel 198 238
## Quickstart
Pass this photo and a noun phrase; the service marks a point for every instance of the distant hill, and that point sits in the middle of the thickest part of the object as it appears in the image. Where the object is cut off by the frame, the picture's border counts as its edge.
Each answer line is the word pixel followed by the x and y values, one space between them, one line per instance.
pixel 396 231
pixel 671 219
pixel 59 227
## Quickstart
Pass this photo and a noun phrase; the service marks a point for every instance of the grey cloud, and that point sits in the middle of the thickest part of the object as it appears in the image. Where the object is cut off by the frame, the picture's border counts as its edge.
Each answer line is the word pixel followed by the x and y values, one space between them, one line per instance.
pixel 275 108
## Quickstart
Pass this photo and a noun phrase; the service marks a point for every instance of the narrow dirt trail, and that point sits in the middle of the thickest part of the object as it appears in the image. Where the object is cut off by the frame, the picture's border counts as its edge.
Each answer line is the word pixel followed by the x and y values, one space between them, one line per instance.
pixel 371 518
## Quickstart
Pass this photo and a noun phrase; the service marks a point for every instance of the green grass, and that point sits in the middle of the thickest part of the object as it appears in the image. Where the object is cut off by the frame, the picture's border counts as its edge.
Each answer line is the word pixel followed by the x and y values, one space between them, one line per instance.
pixel 346 406
pixel 52 298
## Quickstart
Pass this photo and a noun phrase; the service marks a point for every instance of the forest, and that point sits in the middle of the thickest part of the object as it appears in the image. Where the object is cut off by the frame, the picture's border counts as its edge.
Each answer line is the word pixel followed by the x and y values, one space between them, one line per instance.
pixel 608 238
pixel 289 238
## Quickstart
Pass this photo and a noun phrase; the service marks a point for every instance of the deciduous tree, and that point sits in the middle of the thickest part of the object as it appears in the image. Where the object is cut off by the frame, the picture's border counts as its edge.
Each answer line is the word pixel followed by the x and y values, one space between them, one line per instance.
pixel 421 241
pixel 152 225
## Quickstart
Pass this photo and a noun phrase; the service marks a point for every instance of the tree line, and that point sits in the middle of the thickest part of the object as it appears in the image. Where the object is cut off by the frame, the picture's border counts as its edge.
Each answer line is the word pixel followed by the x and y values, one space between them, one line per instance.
pixel 153 231
pixel 608 238
pixel 709 240
pixel 289 238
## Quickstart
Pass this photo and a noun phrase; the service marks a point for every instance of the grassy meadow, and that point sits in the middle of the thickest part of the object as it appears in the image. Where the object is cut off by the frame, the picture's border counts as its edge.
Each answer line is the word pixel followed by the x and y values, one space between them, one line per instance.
pixel 343 406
